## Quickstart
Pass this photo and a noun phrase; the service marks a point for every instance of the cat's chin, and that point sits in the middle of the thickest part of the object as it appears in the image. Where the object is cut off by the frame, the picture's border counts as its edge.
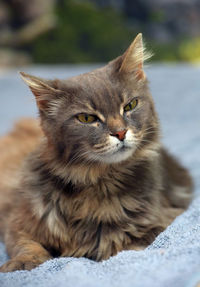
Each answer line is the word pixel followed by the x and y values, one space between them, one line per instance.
pixel 118 156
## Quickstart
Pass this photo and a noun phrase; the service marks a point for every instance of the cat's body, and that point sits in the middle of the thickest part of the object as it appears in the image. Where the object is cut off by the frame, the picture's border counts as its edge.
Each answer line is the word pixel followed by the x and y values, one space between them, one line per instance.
pixel 100 180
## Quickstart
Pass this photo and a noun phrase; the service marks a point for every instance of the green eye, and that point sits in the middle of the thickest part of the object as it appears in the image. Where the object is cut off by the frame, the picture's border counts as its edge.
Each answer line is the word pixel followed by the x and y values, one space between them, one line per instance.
pixel 131 106
pixel 85 118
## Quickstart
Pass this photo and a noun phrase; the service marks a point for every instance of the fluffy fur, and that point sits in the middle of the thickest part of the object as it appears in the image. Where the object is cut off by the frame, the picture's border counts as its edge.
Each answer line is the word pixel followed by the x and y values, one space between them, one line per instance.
pixel 89 189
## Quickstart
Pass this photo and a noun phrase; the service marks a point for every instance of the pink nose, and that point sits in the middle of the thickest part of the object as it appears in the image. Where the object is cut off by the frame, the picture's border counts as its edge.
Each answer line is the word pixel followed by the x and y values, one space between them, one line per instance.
pixel 120 135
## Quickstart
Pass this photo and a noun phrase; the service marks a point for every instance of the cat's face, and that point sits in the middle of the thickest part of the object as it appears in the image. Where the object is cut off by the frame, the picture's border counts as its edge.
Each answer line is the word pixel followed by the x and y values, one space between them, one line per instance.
pixel 102 116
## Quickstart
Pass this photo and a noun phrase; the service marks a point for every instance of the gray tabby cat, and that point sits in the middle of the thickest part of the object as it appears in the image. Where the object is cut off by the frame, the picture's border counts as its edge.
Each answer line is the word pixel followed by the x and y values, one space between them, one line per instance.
pixel 100 181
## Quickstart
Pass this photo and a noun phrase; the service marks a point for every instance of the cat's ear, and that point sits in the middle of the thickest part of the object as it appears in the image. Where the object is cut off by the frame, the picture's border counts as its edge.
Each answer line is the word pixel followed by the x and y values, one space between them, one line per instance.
pixel 133 59
pixel 43 90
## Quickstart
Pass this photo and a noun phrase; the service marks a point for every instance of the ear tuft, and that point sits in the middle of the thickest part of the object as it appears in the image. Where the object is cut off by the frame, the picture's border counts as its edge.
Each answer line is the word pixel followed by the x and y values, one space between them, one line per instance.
pixel 134 57
pixel 41 89
pixel 31 81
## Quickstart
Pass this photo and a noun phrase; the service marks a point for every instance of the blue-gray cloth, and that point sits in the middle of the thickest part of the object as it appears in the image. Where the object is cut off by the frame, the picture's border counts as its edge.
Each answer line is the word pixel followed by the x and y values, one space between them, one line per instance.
pixel 173 260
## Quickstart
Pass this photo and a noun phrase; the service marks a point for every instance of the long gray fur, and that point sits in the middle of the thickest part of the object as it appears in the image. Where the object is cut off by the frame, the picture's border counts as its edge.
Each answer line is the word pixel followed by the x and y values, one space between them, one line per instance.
pixel 174 257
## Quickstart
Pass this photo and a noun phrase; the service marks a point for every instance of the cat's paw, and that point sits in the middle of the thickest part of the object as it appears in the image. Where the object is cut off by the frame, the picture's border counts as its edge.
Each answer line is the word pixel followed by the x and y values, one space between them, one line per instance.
pixel 19 264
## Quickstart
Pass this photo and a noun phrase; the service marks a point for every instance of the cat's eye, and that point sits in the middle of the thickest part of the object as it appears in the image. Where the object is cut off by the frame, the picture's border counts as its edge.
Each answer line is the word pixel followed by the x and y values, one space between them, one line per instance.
pixel 87 119
pixel 131 106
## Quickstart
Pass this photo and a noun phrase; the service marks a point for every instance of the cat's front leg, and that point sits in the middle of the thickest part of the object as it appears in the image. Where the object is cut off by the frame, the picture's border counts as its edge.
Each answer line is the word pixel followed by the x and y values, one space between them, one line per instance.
pixel 25 253
pixel 23 262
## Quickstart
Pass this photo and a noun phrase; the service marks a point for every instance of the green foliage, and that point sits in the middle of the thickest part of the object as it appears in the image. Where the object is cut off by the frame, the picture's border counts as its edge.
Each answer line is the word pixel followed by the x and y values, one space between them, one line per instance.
pixel 83 34
pixel 187 50
pixel 190 50
pixel 165 52
pixel 157 16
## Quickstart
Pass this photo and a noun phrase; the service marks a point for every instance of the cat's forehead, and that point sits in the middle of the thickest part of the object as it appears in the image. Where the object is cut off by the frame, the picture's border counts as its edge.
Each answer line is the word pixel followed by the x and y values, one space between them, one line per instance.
pixel 100 90
pixel 94 83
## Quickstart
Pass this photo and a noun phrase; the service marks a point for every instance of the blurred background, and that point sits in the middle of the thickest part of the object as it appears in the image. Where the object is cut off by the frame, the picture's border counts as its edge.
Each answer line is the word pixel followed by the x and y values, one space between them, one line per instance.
pixel 91 31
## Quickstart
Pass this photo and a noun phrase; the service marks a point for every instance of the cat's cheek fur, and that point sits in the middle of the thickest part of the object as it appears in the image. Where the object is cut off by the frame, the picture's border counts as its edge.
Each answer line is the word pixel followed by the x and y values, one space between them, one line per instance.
pixel 130 139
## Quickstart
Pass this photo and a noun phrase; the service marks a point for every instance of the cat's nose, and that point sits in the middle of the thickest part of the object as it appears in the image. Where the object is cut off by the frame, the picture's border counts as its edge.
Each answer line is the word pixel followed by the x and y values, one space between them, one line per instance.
pixel 120 134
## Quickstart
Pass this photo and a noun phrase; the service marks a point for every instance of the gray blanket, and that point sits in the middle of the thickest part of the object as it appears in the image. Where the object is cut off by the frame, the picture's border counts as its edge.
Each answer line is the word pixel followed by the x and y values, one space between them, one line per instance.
pixel 174 257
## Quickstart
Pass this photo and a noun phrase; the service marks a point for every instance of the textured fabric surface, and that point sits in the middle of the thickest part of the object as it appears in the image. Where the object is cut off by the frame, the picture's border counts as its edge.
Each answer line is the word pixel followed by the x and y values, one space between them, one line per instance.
pixel 174 257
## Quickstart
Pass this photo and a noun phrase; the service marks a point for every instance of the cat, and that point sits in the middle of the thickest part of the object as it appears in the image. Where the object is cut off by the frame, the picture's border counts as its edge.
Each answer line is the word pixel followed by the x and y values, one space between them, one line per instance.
pixel 99 181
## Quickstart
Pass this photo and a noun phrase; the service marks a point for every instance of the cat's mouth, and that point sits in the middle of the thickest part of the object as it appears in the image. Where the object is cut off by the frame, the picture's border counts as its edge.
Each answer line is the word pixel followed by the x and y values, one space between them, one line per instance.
pixel 124 148
pixel 120 153
pixel 116 150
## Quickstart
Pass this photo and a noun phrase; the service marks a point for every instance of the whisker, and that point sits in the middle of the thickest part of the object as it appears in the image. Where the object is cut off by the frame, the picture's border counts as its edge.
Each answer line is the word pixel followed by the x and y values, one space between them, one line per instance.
pixel 78 155
pixel 100 144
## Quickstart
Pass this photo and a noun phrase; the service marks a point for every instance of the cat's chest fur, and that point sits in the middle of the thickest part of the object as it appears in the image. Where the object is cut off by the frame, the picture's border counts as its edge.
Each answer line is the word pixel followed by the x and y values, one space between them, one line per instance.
pixel 101 219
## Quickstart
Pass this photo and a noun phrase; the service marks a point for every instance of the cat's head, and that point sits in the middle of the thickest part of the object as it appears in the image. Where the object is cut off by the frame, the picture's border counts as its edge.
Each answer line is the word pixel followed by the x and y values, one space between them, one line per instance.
pixel 104 116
